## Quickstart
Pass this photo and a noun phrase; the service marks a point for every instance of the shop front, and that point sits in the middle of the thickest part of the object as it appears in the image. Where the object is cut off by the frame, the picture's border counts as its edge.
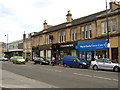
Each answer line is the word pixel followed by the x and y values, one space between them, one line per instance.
pixel 45 51
pixel 35 52
pixel 92 49
pixel 61 49
pixel 27 54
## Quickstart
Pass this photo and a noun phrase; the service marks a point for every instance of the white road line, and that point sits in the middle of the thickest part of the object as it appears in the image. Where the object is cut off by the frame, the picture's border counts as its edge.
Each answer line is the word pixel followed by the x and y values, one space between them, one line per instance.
pixel 96 77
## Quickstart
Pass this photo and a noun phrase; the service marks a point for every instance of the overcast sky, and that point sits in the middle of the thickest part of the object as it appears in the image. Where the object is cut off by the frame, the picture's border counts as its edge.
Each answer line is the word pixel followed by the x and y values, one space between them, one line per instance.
pixel 17 16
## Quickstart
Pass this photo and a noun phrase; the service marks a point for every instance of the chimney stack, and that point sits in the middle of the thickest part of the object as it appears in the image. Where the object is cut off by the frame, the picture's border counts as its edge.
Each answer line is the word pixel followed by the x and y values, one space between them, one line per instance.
pixel 114 4
pixel 45 26
pixel 24 36
pixel 69 17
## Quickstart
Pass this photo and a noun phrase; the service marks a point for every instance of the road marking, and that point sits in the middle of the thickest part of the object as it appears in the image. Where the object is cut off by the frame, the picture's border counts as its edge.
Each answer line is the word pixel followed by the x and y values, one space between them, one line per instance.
pixel 96 77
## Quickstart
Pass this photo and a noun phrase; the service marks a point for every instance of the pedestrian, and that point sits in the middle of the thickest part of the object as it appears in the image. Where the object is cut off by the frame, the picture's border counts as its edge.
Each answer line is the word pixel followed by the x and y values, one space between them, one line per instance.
pixel 53 61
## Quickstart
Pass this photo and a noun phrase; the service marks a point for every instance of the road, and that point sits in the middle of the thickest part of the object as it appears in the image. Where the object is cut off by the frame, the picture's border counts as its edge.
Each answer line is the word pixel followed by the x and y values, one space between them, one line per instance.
pixel 41 76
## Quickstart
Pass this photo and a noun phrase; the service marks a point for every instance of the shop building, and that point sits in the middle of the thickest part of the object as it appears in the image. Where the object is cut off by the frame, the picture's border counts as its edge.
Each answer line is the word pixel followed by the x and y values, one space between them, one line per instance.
pixel 92 49
pixel 14 49
pixel 61 49
pixel 58 40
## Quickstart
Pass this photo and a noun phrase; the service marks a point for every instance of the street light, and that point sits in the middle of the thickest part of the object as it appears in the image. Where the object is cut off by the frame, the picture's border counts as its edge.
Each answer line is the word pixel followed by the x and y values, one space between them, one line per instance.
pixel 107 27
pixel 7 43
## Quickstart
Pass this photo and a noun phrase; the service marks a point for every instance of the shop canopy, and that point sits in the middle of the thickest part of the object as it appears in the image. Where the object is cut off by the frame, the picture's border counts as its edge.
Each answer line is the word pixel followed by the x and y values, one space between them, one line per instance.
pixel 91 45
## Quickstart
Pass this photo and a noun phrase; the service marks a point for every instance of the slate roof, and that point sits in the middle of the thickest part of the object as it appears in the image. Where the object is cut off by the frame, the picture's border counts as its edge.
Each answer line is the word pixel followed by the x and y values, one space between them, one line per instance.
pixel 78 21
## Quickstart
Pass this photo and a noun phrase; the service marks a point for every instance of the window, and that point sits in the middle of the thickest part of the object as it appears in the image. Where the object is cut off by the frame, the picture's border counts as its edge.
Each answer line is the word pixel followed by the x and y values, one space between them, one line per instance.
pixel 90 31
pixel 113 25
pixel 41 40
pixel 62 36
pixel 73 35
pixel 35 41
pixel 100 60
pixel 48 40
pixel 82 32
pixel 86 32
pixel 104 29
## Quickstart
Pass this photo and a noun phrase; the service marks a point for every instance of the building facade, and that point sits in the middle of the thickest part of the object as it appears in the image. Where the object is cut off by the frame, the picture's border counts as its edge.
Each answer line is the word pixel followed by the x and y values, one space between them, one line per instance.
pixel 67 38
pixel 14 49
pixel 2 48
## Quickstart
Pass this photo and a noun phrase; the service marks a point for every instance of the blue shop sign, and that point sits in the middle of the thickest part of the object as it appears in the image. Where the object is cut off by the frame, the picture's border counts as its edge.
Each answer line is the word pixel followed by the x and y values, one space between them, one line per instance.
pixel 92 45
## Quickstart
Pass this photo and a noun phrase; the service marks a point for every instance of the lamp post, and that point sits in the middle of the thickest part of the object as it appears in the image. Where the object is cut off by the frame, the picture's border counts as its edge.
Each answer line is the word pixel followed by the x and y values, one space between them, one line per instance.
pixel 107 28
pixel 7 44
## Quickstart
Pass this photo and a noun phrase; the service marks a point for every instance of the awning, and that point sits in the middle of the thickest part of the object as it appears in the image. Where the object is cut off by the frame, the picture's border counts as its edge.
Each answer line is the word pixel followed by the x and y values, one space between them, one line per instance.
pixel 92 45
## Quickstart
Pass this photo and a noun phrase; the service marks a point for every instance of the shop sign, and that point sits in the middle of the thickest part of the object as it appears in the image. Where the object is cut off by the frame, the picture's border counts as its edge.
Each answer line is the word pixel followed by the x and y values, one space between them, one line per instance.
pixel 101 44
pixel 69 45
pixel 27 51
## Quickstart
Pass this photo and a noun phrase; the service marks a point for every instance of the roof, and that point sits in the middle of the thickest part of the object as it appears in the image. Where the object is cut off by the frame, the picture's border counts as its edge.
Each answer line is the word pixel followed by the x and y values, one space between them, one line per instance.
pixel 78 21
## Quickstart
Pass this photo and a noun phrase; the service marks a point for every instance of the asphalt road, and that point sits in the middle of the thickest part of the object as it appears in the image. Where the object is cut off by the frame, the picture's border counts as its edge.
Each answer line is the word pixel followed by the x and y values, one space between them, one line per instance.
pixel 61 77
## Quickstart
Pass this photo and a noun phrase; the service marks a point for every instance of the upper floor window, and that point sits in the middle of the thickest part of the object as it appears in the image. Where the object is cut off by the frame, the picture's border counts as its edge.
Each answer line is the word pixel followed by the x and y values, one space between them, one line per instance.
pixel 82 32
pixel 62 36
pixel 73 35
pixel 86 32
pixel 103 26
pixel 90 31
pixel 35 41
pixel 48 40
pixel 114 25
pixel 41 40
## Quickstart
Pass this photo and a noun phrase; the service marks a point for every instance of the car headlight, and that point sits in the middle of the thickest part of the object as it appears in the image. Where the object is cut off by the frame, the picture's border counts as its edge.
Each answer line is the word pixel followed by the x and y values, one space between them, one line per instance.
pixel 43 61
pixel 84 63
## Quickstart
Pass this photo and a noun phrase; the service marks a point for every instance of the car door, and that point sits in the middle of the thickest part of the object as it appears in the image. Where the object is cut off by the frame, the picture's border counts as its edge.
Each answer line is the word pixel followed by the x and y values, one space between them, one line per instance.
pixel 100 63
pixel 108 65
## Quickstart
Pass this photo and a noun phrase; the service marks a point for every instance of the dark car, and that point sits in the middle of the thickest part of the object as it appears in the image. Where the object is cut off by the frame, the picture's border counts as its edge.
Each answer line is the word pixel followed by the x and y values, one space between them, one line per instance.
pixel 41 60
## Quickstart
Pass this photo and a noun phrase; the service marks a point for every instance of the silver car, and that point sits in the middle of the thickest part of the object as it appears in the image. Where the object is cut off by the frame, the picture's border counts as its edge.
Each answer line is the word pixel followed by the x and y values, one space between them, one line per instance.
pixel 2 58
pixel 106 64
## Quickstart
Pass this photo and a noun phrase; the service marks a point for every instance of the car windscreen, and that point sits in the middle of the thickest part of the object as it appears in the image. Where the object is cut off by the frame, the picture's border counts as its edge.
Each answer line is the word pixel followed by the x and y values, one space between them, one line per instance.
pixel 42 59
pixel 77 59
pixel 19 57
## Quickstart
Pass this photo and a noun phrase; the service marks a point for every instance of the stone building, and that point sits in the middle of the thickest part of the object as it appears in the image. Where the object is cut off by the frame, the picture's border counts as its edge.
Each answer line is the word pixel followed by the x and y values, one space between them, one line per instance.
pixel 86 37
pixel 2 48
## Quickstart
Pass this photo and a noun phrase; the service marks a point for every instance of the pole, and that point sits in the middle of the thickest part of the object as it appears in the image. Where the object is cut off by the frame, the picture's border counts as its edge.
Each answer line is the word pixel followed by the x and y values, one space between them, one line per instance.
pixel 107 28
pixel 7 42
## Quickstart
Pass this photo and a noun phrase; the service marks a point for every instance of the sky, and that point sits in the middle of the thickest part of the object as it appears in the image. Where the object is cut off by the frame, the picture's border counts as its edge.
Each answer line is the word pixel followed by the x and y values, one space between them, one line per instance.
pixel 17 16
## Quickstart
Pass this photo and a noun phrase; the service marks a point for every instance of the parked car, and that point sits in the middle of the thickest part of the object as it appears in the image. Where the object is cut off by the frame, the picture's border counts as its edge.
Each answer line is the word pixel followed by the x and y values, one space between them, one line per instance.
pixel 2 58
pixel 18 60
pixel 74 61
pixel 104 63
pixel 41 60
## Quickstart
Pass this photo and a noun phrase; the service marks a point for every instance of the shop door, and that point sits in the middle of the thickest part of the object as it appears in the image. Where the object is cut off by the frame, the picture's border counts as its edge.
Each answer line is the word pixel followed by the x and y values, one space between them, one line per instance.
pixel 114 53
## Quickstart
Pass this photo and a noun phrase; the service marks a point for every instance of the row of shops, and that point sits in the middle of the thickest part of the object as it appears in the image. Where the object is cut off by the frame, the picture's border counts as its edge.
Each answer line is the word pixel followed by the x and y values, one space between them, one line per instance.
pixel 86 50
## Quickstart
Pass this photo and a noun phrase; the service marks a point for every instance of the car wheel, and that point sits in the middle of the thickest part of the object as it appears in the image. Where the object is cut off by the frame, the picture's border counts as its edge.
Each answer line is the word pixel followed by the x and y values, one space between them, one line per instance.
pixel 80 66
pixel 116 69
pixel 34 62
pixel 64 65
pixel 70 66
pixel 95 67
